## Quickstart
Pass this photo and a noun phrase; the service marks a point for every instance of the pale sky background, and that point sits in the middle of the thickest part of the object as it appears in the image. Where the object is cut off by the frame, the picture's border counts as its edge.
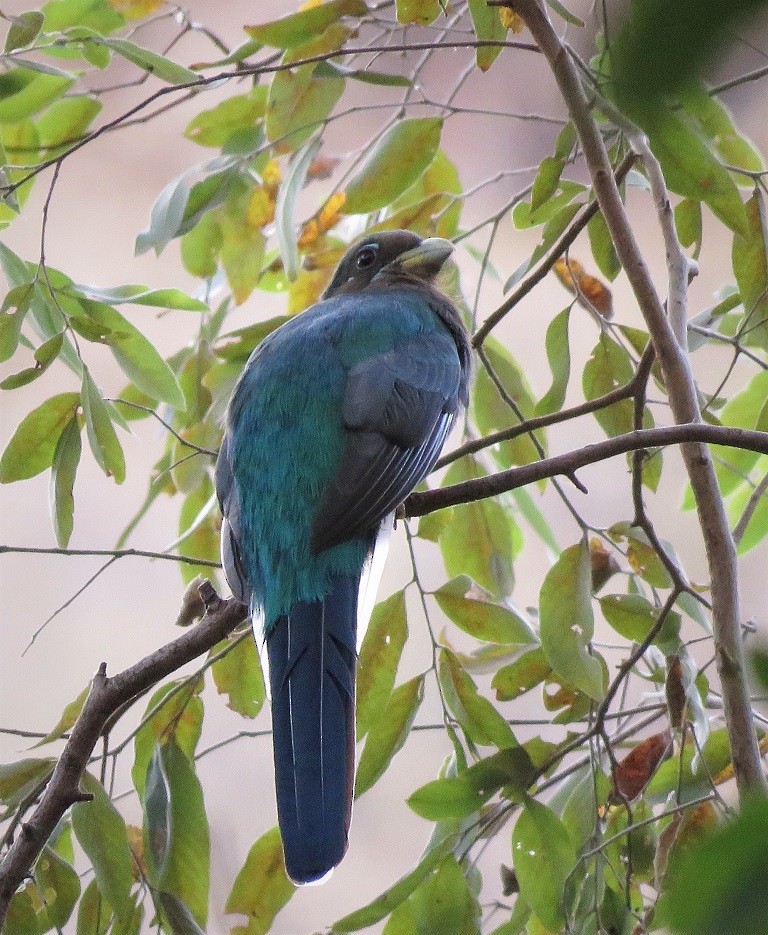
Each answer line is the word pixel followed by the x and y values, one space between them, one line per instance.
pixel 103 198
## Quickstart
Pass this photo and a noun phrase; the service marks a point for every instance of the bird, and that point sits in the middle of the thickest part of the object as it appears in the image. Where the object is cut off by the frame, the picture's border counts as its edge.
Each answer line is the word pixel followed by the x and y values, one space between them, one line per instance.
pixel 337 416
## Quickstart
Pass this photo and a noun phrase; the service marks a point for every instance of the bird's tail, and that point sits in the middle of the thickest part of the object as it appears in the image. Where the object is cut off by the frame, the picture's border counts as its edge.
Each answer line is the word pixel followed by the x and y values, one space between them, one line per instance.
pixel 312 675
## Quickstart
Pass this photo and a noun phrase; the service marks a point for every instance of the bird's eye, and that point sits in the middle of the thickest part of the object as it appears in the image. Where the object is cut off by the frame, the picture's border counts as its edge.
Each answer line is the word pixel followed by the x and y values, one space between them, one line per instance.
pixel 366 256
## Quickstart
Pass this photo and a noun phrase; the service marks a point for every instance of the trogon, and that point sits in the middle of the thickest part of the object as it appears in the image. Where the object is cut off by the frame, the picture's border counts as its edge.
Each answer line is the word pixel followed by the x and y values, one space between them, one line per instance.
pixel 337 416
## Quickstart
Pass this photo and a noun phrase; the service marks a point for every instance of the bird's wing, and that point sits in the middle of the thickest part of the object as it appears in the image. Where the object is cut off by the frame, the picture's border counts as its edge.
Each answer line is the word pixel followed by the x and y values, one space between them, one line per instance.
pixel 398 409
pixel 231 559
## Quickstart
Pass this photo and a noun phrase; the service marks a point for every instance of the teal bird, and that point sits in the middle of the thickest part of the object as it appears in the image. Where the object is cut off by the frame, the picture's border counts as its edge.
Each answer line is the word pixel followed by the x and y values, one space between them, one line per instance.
pixel 338 415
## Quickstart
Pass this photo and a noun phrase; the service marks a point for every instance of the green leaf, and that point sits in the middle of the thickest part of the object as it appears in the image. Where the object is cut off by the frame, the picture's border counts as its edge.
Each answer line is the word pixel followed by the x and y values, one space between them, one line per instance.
pixel 757 527
pixel 399 157
pixel 285 205
pixel 477 716
pixel 20 299
pixel 60 884
pixel 179 918
pixel 179 717
pixel 524 217
pixel 300 27
pixel 720 884
pixel 544 856
pixel 24 92
pixel 388 734
pixel 141 295
pixel 102 437
pixel 462 795
pixel 689 774
pixel 420 12
pixel 692 170
pixel 488 27
pixel 157 815
pixel 559 357
pixel 93 913
pixel 65 121
pixel 378 78
pixel 215 126
pixel 491 530
pixel 379 657
pixel 158 65
pixel 262 887
pixel 186 866
pixel 717 123
pixel 474 611
pixel 33 445
pixel 66 458
pixel 166 217
pixel 444 903
pixel 26 911
pixel 200 247
pixel 137 357
pixel 18 779
pixel 688 223
pixel 237 674
pixel 492 411
pixel 602 247
pixel 522 675
pixel 23 30
pixel 652 63
pixel 567 624
pixel 389 900
pixel 101 832
pixel 632 616
pixel 242 254
pixel 299 102
pixel 546 181
pixel 750 266
pixel 68 717
pixel 607 369
pixel 44 357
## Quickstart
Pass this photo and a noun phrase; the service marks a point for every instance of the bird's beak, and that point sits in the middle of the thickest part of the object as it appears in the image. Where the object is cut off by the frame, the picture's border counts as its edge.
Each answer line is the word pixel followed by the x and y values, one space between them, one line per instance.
pixel 426 260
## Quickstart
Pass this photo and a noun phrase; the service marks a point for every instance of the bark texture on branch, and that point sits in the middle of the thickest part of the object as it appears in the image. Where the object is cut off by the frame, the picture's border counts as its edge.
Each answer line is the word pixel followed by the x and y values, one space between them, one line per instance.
pixel 681 389
pixel 107 695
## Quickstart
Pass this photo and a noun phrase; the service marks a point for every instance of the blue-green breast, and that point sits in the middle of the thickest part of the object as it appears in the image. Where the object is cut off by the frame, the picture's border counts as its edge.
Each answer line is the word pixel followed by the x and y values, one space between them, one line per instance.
pixel 285 421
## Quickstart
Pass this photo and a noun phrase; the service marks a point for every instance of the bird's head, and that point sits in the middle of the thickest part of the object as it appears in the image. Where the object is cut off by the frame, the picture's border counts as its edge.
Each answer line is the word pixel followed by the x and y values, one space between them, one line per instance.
pixel 398 254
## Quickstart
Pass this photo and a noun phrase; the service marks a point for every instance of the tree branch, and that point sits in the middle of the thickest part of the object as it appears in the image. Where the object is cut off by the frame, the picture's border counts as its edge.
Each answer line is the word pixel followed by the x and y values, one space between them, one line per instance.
pixel 113 553
pixel 418 504
pixel 681 388
pixel 556 251
pixel 106 696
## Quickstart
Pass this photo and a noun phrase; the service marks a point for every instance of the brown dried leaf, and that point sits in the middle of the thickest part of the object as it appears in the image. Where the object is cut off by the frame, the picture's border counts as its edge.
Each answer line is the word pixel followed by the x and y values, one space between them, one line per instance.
pixel 633 773
pixel 675 692
pixel 603 562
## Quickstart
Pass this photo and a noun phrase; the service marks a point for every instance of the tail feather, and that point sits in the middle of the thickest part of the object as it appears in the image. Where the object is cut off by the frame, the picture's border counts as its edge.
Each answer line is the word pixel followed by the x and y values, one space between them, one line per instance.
pixel 312 674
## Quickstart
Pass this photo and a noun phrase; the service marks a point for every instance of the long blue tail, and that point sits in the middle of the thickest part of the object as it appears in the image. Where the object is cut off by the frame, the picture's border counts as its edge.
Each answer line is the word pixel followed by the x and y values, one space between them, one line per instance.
pixel 312 656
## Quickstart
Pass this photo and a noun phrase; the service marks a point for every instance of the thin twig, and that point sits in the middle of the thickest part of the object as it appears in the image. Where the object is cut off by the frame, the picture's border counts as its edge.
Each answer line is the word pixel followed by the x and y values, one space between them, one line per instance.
pixel 418 504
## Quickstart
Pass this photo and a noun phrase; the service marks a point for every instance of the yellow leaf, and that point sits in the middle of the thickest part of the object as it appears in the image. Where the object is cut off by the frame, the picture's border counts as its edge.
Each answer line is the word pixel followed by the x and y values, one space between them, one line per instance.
pixel 590 292
pixel 328 215
pixel 511 21
pixel 261 207
pixel 306 289
pixel 135 9
pixel 309 233
pixel 271 173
